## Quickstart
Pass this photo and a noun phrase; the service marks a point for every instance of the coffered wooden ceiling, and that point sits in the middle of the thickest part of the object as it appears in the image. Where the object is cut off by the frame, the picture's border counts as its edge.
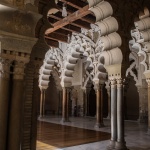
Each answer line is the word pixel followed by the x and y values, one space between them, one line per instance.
pixel 78 16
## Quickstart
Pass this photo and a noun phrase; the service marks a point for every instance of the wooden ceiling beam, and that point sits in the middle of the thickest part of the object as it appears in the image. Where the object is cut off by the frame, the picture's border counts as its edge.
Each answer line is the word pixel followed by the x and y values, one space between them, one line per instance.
pixel 81 24
pixel 90 19
pixel 72 28
pixel 63 31
pixel 57 37
pixel 52 42
pixel 77 23
pixel 69 19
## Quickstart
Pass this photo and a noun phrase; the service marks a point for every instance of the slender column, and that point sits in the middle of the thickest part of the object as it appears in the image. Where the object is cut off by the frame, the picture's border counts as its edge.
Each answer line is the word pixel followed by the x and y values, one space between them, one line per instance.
pixel 43 106
pixel 4 99
pixel 60 102
pixel 109 99
pixel 99 107
pixel 148 81
pixel 113 115
pixel 41 103
pixel 125 87
pixel 15 116
pixel 87 97
pixel 65 105
pixel 120 144
pixel 84 102
pixel 109 103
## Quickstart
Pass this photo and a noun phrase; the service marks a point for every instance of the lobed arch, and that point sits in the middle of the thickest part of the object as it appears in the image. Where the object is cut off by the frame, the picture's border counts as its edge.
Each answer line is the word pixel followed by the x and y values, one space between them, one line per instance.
pixel 141 39
pixel 52 61
pixel 107 45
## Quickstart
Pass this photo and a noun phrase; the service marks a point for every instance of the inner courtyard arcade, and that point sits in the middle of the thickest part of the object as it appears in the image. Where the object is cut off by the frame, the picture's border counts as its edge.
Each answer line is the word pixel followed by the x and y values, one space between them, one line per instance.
pixel 72 61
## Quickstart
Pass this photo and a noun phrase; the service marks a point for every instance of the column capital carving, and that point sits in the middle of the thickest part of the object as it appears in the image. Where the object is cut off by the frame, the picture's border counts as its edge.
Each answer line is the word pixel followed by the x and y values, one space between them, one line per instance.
pixel 113 83
pixel 147 75
pixel 98 86
pixel 18 72
pixel 5 68
pixel 119 83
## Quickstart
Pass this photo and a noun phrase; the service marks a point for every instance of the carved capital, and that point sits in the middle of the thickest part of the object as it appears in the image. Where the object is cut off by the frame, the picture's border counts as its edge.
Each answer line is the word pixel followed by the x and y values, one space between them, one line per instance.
pixel 147 75
pixel 5 68
pixel 98 87
pixel 18 72
pixel 113 83
pixel 119 83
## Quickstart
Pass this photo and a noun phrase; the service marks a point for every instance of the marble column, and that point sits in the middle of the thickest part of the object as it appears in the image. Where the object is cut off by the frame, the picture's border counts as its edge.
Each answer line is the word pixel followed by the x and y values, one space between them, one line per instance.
pixel 120 144
pixel 16 107
pixel 99 106
pixel 113 115
pixel 4 101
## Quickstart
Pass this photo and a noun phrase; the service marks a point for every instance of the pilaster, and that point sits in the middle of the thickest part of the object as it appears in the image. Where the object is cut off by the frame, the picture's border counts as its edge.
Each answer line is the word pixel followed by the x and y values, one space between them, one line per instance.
pixel 15 116
pixel 4 100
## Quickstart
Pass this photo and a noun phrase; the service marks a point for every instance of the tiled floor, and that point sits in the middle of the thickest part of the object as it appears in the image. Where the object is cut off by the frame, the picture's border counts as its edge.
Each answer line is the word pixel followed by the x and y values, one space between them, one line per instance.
pixel 135 134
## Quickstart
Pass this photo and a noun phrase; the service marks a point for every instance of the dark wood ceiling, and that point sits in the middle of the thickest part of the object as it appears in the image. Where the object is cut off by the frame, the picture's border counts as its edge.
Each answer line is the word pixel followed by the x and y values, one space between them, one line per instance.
pixel 78 16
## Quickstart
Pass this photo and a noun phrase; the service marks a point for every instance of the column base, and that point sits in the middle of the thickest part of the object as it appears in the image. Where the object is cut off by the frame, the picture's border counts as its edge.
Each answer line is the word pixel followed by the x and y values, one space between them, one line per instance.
pixel 108 117
pixel 111 145
pixel 99 125
pixel 120 146
pixel 148 132
pixel 143 118
pixel 40 117
pixel 63 120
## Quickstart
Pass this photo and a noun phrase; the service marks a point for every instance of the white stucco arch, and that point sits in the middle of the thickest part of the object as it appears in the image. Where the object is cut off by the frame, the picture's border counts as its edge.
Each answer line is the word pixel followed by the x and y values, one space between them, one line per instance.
pixel 141 39
pixel 107 46
pixel 53 60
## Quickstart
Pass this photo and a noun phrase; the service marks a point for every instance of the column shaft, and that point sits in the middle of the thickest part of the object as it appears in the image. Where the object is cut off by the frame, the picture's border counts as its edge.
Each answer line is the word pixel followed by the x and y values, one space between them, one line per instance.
pixel 43 106
pixel 4 99
pixel 109 103
pixel 149 107
pixel 64 104
pixel 67 106
pixel 99 107
pixel 113 112
pixel 41 103
pixel 14 135
pixel 113 115
pixel 120 118
pixel 120 144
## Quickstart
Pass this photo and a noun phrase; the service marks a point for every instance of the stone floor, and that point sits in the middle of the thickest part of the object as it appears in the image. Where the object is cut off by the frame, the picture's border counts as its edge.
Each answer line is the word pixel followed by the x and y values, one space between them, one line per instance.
pixel 136 135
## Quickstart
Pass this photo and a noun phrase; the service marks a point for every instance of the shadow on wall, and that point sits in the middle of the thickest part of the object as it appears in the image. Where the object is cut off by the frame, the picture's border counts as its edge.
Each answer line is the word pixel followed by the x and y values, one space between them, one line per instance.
pixel 132 101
